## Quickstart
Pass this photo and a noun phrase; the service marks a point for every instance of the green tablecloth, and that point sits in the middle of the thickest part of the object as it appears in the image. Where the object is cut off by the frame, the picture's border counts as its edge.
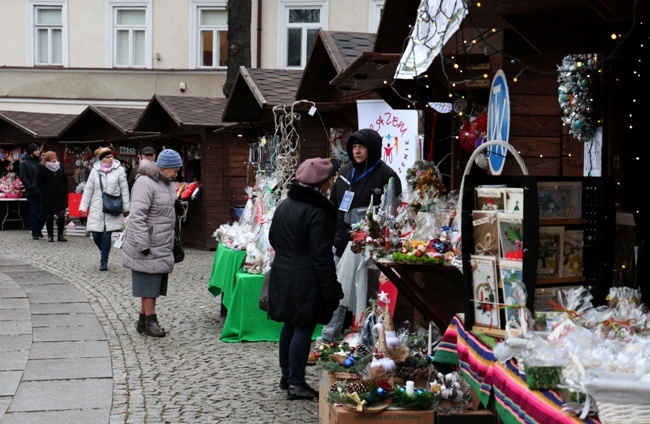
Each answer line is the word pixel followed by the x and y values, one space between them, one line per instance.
pixel 245 321
pixel 226 264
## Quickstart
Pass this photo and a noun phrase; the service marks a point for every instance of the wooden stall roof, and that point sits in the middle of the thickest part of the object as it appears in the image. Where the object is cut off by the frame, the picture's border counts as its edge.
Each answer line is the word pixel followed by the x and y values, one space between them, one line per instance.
pixel 541 27
pixel 177 115
pixel 23 127
pixel 257 91
pixel 100 123
pixel 331 53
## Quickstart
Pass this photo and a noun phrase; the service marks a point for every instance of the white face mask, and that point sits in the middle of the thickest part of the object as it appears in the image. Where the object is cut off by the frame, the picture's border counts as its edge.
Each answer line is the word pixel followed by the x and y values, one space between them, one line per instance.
pixel 52 166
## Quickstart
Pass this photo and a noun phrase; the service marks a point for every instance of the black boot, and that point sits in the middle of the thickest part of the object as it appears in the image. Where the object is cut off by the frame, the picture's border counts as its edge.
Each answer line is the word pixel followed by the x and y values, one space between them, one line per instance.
pixel 141 324
pixel 61 237
pixel 50 239
pixel 152 328
pixel 301 391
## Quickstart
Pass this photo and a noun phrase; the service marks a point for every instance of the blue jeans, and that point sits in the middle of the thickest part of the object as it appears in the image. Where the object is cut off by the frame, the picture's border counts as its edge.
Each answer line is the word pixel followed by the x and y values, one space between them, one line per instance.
pixel 103 242
pixel 36 217
pixel 295 344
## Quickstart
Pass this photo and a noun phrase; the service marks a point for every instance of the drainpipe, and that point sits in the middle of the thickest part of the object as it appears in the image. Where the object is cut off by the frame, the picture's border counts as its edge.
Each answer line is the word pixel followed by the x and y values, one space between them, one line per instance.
pixel 259 33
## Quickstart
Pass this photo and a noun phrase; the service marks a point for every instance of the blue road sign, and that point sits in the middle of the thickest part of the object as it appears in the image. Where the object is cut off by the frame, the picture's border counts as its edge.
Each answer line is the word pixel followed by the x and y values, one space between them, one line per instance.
pixel 498 122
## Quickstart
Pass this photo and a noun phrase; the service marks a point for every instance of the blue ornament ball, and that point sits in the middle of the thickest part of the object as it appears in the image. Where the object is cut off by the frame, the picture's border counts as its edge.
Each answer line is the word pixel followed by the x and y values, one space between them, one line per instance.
pixel 349 362
pixel 577 125
pixel 381 392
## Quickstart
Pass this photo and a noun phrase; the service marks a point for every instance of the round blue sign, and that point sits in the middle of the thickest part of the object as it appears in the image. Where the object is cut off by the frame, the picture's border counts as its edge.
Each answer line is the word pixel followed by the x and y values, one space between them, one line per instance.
pixel 498 122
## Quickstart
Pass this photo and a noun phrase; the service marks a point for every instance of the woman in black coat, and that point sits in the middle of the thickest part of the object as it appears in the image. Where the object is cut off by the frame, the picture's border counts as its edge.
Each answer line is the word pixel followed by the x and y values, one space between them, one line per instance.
pixel 53 186
pixel 303 288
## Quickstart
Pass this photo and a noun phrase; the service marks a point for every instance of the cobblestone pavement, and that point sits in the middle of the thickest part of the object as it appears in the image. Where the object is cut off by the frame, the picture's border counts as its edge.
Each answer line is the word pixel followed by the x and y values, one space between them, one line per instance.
pixel 190 376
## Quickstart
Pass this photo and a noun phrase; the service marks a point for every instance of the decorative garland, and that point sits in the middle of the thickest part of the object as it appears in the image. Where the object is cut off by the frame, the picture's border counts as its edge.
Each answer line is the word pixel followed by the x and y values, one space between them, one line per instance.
pixel 575 95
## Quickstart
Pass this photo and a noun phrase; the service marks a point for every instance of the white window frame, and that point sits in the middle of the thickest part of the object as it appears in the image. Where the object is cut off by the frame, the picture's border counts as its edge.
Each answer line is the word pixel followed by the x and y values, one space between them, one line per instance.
pixel 374 15
pixel 32 6
pixel 283 18
pixel 111 7
pixel 195 43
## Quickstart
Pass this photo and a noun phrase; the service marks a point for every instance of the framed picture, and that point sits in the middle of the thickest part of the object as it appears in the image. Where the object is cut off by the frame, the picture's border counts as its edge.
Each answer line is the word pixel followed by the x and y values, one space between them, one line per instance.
pixel 572 253
pixel 560 199
pixel 511 235
pixel 513 289
pixel 485 294
pixel 486 233
pixel 549 258
pixel 490 198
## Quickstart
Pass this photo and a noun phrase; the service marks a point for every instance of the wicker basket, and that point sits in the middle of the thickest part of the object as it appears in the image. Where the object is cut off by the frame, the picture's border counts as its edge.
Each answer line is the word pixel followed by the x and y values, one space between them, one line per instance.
pixel 620 397
pixel 622 413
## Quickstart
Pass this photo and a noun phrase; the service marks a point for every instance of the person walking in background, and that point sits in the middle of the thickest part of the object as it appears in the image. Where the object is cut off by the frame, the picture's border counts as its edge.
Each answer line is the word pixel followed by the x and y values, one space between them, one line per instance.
pixel 303 289
pixel 106 175
pixel 53 186
pixel 148 153
pixel 28 173
pixel 149 237
pixel 364 177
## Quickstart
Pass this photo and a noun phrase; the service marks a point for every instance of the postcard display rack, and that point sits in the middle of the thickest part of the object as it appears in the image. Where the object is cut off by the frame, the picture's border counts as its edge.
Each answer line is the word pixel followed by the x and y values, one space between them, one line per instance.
pixel 549 233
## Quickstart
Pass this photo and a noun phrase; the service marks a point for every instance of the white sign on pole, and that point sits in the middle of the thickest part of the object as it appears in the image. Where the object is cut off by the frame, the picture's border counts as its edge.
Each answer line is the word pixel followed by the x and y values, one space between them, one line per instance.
pixel 399 132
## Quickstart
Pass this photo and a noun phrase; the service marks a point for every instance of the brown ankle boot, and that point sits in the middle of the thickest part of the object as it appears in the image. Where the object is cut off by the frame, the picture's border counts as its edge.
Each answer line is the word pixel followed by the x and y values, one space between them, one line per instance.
pixel 152 328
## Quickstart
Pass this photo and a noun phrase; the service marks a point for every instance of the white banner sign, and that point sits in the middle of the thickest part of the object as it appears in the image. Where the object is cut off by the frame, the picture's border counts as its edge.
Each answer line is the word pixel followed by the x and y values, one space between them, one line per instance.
pixel 399 132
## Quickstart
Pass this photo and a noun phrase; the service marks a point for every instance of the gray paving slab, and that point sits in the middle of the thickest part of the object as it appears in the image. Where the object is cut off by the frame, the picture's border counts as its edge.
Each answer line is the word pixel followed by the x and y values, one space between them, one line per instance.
pixel 15 314
pixel 15 342
pixel 67 368
pixel 47 334
pixel 9 381
pixel 15 360
pixel 13 303
pixel 64 320
pixel 60 308
pixel 74 349
pixel 12 292
pixel 82 416
pixel 4 405
pixel 56 296
pixel 60 395
pixel 15 327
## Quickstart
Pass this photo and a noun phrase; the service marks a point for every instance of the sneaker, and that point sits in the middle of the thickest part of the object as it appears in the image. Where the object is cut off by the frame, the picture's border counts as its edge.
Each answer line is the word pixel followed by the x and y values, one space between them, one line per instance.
pixel 284 382
pixel 302 391
pixel 103 267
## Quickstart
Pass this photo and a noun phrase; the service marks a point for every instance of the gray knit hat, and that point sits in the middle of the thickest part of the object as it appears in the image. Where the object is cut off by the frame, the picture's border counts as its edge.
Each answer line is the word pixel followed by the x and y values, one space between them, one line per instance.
pixel 169 158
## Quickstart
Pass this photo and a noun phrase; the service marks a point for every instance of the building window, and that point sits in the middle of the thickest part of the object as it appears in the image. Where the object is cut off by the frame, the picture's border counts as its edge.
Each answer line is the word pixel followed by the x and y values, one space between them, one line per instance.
pixel 210 45
pixel 376 8
pixel 49 37
pixel 299 27
pixel 130 38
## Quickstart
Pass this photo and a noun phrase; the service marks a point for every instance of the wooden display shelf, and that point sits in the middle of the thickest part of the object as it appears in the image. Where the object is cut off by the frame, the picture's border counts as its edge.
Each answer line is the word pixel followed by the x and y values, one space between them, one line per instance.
pixel 562 281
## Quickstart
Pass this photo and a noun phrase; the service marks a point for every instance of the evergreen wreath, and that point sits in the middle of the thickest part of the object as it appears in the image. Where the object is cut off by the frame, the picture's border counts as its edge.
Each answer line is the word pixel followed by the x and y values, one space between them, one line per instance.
pixel 576 96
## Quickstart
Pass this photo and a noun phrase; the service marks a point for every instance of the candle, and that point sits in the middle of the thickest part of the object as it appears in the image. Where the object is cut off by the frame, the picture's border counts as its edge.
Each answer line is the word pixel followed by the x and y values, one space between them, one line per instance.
pixel 409 388
pixel 429 345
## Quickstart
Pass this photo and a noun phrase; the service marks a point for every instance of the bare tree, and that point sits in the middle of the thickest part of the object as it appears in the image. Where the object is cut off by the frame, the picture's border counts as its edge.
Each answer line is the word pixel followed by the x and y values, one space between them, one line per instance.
pixel 239 40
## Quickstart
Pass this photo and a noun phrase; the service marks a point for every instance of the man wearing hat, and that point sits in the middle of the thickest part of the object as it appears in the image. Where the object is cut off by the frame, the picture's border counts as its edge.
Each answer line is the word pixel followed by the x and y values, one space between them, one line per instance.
pixel 148 153
pixel 28 176
pixel 303 288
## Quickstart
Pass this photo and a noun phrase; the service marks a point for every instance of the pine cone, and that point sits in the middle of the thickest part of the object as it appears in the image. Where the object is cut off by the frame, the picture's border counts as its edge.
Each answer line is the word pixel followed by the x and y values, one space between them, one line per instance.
pixel 361 351
pixel 359 386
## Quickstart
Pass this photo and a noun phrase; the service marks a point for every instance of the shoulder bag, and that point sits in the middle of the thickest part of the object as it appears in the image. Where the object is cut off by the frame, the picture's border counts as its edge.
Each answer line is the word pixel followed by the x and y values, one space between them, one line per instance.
pixel 111 205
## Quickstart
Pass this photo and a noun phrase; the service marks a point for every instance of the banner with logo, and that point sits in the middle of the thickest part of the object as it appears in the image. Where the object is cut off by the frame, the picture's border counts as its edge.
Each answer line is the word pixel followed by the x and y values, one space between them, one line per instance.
pixel 399 132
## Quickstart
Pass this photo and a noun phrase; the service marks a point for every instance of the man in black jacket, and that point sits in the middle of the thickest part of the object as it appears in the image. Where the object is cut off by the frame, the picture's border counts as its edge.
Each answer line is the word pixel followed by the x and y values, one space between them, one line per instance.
pixel 364 177
pixel 28 173
pixel 148 153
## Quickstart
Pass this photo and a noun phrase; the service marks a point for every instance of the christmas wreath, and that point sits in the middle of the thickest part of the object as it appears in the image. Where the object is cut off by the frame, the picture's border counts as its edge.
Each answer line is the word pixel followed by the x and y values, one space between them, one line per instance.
pixel 575 95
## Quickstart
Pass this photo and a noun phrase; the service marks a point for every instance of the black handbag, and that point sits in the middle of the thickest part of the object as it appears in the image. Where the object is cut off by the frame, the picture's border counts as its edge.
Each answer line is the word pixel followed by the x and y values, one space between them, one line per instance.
pixel 179 252
pixel 111 205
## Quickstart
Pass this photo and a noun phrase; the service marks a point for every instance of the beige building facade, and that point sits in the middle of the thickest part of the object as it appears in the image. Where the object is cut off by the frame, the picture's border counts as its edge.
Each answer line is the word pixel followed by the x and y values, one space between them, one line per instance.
pixel 64 55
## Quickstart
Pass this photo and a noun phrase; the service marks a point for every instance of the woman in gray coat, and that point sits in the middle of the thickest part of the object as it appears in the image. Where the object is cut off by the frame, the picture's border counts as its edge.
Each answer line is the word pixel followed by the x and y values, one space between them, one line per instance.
pixel 149 236
pixel 107 175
